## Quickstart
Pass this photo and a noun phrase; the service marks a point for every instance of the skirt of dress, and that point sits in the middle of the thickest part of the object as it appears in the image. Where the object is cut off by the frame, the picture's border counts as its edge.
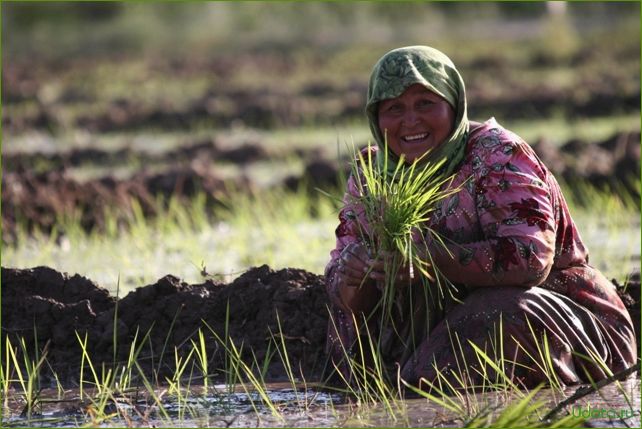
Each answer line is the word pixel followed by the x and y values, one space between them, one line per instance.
pixel 535 335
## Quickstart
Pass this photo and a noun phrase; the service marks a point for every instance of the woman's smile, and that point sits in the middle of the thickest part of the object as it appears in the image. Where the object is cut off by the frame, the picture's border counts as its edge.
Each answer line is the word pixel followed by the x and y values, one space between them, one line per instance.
pixel 415 138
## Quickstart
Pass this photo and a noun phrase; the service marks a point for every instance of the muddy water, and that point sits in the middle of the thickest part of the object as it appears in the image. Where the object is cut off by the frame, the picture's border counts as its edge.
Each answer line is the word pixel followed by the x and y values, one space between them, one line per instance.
pixel 613 406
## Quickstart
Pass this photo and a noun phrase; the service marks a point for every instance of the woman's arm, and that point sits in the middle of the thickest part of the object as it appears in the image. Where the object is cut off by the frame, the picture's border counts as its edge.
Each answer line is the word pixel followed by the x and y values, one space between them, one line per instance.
pixel 348 283
pixel 517 218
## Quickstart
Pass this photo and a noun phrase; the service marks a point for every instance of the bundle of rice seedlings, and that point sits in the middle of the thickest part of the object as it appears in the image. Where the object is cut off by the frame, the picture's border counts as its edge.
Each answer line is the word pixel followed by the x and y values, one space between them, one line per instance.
pixel 397 205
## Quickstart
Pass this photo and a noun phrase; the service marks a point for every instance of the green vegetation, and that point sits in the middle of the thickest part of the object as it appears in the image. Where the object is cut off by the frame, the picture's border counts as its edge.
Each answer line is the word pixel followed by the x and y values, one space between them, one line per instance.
pixel 278 228
pixel 124 394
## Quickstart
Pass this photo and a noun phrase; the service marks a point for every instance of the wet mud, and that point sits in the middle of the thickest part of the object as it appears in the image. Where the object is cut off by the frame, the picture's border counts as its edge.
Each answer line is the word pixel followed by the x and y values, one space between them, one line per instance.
pixel 47 308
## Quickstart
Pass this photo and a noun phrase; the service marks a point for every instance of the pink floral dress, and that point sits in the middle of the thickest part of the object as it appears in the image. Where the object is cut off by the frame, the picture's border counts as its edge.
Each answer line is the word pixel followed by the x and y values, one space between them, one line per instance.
pixel 523 281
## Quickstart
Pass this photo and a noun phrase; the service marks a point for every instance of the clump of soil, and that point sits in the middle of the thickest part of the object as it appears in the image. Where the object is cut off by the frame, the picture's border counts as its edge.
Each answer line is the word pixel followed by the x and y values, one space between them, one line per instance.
pixel 56 305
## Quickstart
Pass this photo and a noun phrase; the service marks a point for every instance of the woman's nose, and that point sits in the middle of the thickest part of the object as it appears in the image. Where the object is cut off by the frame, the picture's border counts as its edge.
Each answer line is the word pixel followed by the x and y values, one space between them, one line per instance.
pixel 410 117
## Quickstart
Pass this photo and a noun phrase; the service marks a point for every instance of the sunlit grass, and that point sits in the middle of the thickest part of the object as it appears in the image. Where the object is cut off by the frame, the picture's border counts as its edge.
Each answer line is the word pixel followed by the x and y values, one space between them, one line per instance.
pixel 609 225
pixel 278 228
pixel 558 130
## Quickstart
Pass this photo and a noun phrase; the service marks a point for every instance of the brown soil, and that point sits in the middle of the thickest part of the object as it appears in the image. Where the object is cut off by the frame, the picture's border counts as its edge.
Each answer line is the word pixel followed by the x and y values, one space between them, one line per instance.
pixel 39 198
pixel 601 92
pixel 57 305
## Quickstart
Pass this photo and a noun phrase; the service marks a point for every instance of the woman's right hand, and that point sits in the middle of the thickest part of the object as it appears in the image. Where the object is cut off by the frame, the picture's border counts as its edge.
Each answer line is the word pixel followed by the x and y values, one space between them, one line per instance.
pixel 357 290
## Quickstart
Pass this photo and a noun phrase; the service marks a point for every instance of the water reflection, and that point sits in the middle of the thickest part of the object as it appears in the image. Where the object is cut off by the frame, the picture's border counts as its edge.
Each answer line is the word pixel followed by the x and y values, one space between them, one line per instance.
pixel 297 406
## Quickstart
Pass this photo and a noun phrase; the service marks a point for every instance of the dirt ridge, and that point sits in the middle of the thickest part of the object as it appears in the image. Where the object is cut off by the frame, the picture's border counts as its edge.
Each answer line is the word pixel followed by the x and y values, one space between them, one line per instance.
pixel 57 304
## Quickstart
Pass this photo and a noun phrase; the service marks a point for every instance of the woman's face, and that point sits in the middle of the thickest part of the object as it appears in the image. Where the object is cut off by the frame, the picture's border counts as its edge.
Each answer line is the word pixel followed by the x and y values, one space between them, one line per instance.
pixel 416 121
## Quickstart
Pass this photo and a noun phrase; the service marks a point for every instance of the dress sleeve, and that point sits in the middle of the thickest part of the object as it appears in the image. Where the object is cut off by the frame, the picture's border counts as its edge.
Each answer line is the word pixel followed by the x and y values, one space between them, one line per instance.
pixel 516 219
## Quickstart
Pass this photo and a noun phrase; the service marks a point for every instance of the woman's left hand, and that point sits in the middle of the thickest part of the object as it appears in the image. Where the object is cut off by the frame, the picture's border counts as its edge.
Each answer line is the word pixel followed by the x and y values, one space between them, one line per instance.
pixel 406 274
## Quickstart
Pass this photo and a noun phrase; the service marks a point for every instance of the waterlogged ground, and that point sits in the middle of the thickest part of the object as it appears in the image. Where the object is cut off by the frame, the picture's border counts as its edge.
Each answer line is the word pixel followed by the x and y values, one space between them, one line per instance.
pixel 296 406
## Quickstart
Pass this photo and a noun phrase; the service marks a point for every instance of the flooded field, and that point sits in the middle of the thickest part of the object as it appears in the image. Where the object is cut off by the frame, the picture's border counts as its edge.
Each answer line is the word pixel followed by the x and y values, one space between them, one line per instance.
pixel 610 407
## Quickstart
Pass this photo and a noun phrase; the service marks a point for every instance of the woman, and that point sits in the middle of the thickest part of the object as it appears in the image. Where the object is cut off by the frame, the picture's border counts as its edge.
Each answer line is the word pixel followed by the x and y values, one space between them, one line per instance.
pixel 523 291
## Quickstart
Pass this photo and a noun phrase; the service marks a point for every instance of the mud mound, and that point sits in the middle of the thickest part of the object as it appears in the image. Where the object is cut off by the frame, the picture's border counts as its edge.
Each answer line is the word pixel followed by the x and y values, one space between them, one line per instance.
pixel 56 305
pixel 200 150
pixel 318 173
pixel 40 201
pixel 172 312
pixel 612 164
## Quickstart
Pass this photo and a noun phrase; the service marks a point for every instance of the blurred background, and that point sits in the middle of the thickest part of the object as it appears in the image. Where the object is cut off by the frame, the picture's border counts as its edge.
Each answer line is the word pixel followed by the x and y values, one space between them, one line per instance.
pixel 141 139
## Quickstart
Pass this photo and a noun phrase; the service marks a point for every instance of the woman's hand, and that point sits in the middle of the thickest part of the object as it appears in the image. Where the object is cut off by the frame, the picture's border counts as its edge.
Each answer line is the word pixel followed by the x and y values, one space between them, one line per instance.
pixel 357 289
pixel 354 265
pixel 407 273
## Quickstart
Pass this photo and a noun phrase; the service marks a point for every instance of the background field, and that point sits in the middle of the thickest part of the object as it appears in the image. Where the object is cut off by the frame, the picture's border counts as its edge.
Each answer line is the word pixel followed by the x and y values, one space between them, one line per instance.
pixel 188 138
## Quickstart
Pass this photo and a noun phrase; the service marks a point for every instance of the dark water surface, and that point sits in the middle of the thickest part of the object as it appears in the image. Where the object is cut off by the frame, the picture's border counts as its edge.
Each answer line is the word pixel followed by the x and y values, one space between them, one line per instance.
pixel 612 406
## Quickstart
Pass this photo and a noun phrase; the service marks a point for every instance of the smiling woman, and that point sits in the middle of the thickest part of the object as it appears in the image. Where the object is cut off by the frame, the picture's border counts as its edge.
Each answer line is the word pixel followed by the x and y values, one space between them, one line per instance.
pixel 519 287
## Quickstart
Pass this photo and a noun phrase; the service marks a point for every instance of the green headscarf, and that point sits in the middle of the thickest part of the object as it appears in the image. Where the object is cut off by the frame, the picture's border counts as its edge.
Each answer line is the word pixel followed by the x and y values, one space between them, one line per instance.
pixel 402 67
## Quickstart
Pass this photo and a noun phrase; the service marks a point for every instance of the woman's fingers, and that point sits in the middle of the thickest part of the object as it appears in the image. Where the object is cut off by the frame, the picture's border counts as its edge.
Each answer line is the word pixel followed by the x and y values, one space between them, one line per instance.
pixel 356 266
pixel 355 251
pixel 353 265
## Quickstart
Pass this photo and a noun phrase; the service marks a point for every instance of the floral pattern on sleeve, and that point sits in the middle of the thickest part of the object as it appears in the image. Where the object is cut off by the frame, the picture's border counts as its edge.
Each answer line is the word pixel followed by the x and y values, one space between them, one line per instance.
pixel 504 216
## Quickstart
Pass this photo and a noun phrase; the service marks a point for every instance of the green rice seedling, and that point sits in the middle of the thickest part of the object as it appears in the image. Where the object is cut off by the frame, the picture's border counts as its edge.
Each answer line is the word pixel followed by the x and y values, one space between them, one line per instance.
pixel 595 359
pixel 543 361
pixel 231 366
pixel 152 392
pixel 267 359
pixel 124 381
pixel 174 383
pixel 104 383
pixel 257 385
pixel 29 379
pixel 283 354
pixel 60 391
pixel 201 353
pixel 243 371
pixel 167 337
pixel 517 412
pixel 5 382
pixel 495 366
pixel 180 363
pixel 97 408
pixel 115 326
pixel 278 339
pixel 369 382
pixel 455 390
pixel 523 412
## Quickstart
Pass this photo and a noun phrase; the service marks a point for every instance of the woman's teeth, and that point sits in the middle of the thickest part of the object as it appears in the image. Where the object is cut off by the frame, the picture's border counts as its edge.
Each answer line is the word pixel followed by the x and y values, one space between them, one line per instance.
pixel 415 137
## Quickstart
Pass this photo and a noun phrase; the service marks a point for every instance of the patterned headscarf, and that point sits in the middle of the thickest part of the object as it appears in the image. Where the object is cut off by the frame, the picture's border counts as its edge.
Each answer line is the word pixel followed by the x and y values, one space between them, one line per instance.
pixel 402 67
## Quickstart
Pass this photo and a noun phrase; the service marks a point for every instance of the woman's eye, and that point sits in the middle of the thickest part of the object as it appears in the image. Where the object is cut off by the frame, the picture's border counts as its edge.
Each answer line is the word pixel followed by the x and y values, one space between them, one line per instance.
pixel 395 108
pixel 425 103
